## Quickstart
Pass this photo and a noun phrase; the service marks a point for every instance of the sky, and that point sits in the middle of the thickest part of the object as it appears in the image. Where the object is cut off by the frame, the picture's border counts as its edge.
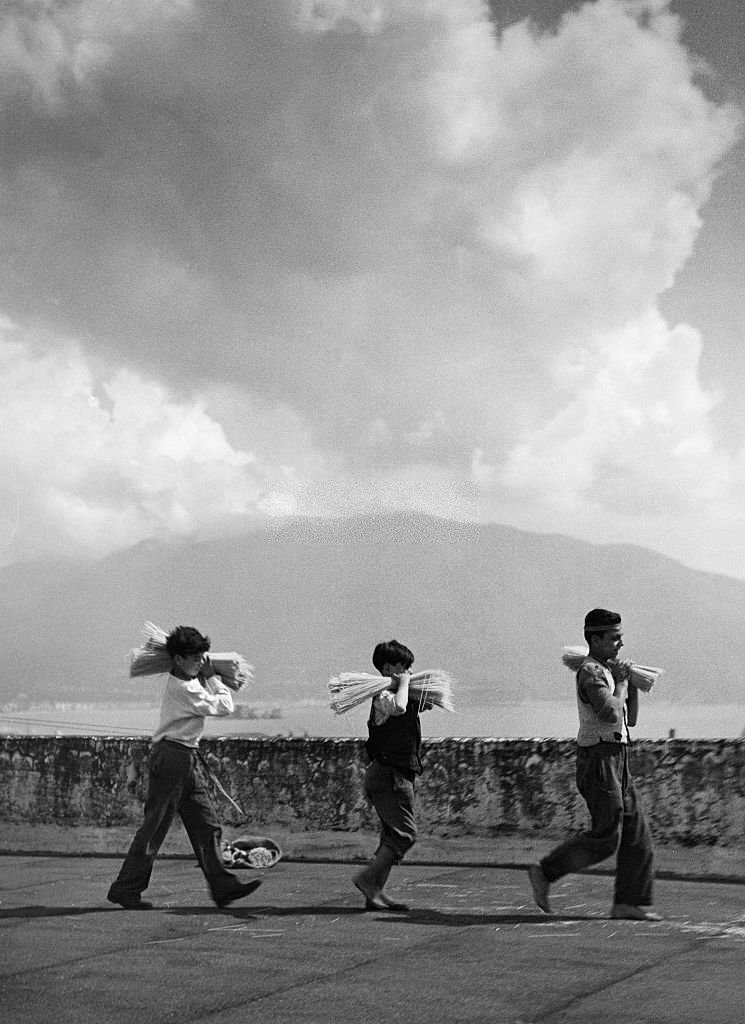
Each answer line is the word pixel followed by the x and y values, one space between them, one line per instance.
pixel 326 257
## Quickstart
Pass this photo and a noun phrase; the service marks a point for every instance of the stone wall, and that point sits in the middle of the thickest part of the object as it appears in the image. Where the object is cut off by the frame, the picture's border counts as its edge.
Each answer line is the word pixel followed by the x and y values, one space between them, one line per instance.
pixel 693 790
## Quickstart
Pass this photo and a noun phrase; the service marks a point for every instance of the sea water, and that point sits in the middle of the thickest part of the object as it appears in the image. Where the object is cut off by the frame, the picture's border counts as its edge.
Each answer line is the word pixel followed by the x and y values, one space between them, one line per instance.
pixel 657 720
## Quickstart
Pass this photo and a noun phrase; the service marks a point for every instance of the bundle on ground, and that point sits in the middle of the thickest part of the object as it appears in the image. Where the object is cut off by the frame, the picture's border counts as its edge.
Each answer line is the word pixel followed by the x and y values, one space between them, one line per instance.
pixel 152 659
pixel 642 676
pixel 349 689
pixel 251 852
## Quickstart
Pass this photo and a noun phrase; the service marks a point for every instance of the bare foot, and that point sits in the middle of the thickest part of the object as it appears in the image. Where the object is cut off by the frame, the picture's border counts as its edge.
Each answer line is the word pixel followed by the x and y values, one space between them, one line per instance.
pixel 373 900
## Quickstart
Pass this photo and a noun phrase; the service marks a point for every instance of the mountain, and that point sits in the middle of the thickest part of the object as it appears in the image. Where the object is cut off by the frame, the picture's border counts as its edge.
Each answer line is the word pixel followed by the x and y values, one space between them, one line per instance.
pixel 306 599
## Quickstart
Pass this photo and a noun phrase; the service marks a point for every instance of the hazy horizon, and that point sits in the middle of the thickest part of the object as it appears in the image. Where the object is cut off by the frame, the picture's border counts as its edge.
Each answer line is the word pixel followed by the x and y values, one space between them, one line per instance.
pixel 549 718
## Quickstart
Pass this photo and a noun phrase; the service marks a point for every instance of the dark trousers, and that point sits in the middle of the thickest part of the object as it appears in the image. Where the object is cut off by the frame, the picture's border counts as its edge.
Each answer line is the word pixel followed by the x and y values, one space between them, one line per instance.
pixel 617 826
pixel 176 786
pixel 392 796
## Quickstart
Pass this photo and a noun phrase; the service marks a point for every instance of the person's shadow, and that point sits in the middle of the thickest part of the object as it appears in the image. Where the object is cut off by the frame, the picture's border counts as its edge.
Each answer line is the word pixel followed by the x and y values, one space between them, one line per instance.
pixel 29 913
pixel 417 915
pixel 462 919
pixel 426 916
pixel 9 913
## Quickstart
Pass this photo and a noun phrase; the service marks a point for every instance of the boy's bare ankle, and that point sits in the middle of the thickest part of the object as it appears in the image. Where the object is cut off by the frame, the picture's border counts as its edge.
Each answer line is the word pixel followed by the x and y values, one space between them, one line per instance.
pixel 366 884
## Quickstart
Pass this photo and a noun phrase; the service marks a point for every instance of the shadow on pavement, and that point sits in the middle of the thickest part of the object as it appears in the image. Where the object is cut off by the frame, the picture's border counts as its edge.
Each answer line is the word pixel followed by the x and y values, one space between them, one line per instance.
pixel 461 920
pixel 36 911
pixel 420 917
pixel 315 911
pixel 243 913
pixel 424 917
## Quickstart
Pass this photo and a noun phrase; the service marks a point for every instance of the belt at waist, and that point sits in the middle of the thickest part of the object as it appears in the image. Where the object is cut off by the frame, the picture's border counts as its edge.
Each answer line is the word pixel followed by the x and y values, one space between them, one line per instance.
pixel 177 745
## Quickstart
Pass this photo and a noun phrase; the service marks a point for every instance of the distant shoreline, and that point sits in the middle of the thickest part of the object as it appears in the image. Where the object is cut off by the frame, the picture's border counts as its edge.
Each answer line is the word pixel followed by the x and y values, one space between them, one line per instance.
pixel 657 720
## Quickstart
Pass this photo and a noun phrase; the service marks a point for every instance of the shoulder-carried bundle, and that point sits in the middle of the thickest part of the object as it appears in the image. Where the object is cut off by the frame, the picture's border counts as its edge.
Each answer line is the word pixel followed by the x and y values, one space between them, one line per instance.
pixel 642 676
pixel 153 659
pixel 349 689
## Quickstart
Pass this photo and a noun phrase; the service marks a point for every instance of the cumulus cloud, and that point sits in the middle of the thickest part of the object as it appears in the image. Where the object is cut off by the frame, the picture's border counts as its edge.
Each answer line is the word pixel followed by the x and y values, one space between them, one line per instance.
pixel 90 465
pixel 635 435
pixel 434 241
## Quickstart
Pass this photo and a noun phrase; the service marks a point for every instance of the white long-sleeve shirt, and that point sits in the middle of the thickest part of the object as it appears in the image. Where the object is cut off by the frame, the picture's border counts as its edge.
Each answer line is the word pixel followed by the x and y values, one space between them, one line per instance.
pixel 185 705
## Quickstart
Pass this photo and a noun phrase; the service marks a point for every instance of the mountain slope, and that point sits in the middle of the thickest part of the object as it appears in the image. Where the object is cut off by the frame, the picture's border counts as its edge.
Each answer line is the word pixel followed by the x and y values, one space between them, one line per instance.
pixel 310 598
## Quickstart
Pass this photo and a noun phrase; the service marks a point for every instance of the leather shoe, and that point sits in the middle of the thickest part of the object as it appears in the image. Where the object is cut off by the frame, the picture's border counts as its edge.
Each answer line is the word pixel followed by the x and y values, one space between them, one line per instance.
pixel 628 912
pixel 236 894
pixel 130 902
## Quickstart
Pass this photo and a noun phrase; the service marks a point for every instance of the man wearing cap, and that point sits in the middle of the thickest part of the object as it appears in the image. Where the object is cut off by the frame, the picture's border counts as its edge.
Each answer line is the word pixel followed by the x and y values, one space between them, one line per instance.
pixel 608 703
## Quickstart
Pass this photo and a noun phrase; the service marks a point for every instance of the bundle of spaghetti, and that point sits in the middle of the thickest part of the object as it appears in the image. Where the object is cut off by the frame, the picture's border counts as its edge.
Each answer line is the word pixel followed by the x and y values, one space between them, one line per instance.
pixel 431 687
pixel 153 659
pixel 642 676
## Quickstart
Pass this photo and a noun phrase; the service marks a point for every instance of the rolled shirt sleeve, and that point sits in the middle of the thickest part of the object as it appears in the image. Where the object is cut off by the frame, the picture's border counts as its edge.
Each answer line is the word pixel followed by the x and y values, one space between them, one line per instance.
pixel 383 706
pixel 595 690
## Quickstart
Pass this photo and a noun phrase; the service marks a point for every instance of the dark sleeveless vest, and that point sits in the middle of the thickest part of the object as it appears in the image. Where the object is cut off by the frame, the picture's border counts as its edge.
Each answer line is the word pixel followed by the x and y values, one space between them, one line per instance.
pixel 398 740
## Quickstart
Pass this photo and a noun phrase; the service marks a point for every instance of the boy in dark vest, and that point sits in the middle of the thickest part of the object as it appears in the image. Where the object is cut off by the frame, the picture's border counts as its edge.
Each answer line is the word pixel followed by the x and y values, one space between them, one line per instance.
pixel 608 703
pixel 393 746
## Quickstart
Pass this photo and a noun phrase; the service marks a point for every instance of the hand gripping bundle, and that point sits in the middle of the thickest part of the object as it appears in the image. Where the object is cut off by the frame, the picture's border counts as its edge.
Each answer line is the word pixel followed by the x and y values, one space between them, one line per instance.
pixel 642 676
pixel 349 689
pixel 153 659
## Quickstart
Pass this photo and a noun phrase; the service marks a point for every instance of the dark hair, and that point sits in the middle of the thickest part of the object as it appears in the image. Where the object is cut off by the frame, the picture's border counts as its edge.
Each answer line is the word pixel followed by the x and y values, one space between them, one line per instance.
pixel 392 653
pixel 599 621
pixel 186 640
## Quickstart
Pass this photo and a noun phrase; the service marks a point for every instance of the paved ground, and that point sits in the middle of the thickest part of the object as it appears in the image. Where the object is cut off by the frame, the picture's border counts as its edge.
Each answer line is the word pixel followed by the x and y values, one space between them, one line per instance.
pixel 696 863
pixel 301 951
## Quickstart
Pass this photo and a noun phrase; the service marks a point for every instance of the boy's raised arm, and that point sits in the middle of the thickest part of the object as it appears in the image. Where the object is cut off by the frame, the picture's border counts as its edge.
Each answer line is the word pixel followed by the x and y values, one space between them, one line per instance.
pixel 402 692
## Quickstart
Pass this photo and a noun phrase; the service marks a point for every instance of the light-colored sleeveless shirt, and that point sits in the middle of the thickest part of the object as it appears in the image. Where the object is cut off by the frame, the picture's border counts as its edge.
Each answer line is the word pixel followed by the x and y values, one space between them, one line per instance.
pixel 593 675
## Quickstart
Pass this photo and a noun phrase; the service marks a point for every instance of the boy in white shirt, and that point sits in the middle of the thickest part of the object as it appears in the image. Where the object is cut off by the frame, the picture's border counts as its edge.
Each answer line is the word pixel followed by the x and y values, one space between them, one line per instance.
pixel 176 781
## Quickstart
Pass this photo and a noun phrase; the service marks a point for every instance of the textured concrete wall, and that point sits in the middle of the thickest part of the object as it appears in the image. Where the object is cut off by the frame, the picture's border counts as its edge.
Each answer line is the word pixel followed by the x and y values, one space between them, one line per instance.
pixel 693 790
